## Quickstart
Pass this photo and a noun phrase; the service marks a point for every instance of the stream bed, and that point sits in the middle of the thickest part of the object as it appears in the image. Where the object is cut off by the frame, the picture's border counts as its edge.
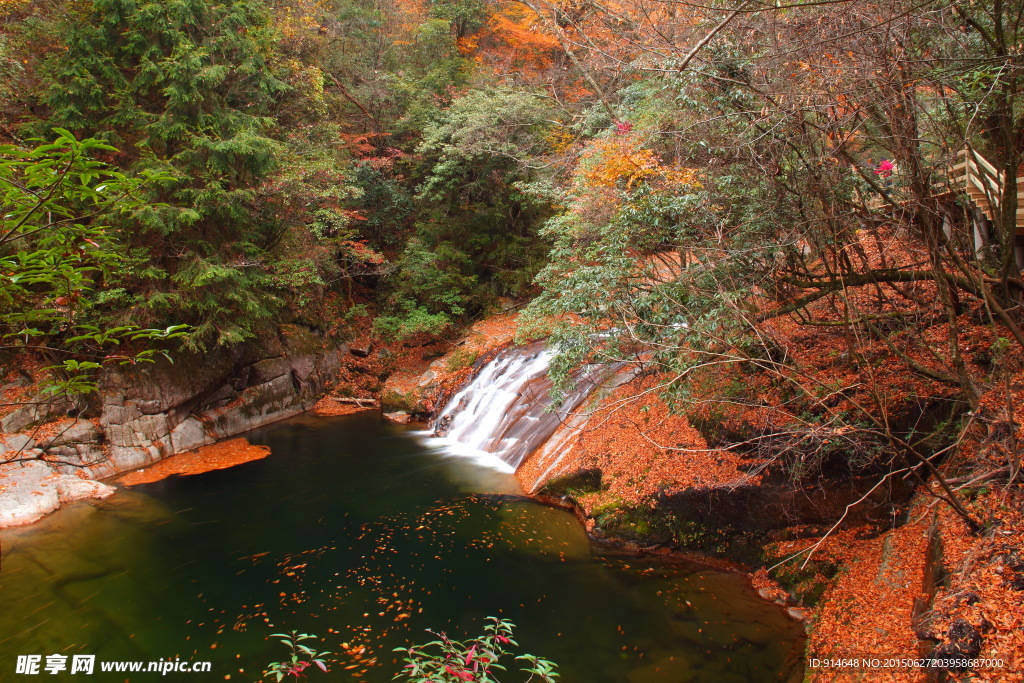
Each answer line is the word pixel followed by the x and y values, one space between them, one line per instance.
pixel 360 532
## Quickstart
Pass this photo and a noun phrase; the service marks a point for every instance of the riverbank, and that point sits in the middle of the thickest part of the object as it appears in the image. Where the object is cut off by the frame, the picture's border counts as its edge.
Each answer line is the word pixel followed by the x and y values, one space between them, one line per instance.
pixel 56 451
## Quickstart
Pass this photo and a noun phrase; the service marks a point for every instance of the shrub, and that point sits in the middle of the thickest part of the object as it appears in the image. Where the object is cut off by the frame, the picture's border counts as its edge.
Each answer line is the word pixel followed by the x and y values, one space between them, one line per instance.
pixel 451 661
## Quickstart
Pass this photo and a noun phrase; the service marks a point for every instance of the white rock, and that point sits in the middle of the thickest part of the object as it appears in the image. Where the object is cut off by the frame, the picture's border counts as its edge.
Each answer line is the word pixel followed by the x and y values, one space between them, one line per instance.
pixel 31 490
pixel 189 435
pixel 10 444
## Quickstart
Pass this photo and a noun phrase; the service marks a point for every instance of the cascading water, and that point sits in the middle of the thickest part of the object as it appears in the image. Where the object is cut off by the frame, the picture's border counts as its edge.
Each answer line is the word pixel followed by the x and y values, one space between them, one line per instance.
pixel 505 410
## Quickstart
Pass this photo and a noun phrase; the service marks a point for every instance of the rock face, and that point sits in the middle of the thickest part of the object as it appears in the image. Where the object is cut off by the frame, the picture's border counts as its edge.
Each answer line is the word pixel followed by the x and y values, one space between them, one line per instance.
pixel 766 506
pixel 148 412
pixel 420 391
pixel 414 394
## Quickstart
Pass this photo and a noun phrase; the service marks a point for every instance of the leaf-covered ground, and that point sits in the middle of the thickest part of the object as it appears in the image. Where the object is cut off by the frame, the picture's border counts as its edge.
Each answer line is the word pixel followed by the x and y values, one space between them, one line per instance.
pixel 218 456
pixel 888 588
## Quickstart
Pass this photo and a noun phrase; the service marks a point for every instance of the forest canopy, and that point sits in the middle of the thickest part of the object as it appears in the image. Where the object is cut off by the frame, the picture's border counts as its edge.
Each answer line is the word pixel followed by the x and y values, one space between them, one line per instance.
pixel 680 173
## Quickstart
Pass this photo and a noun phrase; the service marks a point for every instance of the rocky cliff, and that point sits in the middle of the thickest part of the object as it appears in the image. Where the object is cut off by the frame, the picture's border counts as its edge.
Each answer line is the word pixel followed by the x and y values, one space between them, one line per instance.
pixel 55 452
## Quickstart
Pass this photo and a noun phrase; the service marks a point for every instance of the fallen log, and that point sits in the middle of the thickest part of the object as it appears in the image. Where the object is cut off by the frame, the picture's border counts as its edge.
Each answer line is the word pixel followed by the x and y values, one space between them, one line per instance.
pixel 365 402
pixel 972 480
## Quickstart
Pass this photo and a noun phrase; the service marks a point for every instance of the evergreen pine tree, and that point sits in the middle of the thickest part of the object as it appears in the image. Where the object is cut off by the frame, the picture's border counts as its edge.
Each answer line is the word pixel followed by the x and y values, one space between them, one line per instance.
pixel 184 87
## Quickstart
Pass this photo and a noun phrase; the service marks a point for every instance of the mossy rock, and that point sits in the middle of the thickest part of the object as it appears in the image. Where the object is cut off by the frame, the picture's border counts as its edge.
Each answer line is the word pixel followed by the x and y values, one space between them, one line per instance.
pixel 640 524
pixel 301 340
pixel 396 402
pixel 658 526
pixel 460 359
pixel 807 584
pixel 574 485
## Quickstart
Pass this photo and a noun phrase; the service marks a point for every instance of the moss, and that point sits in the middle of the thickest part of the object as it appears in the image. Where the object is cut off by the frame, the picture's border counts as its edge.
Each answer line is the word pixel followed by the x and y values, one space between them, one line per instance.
pixel 461 358
pixel 300 340
pixel 658 526
pixel 574 485
pixel 806 584
pixel 393 401
pixel 629 523
pixel 637 523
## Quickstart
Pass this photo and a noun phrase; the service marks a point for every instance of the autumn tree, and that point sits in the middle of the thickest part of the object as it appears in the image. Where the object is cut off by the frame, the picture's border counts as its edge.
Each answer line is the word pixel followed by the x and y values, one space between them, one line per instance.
pixel 806 146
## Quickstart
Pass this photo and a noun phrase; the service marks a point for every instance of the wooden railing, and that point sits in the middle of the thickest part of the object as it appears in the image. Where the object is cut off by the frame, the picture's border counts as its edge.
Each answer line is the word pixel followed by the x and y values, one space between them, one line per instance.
pixel 983 184
pixel 972 175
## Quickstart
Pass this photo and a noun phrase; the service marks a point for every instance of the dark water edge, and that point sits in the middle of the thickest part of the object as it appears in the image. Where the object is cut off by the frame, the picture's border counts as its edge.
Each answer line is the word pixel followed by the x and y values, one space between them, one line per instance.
pixel 354 530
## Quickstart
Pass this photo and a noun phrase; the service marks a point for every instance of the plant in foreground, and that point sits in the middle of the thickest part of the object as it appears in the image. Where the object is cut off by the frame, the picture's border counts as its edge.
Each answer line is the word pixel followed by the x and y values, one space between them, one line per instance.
pixel 452 661
pixel 302 656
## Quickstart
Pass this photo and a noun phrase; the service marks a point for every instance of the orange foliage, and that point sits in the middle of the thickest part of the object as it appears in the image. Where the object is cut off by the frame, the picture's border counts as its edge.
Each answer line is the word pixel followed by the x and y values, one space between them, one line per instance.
pixel 514 39
pixel 218 456
pixel 576 92
pixel 560 139
pixel 370 147
pixel 869 613
pixel 467 44
pixel 409 16
pixel 619 161
pixel 641 448
pixel 616 162
pixel 982 588
pixel 328 407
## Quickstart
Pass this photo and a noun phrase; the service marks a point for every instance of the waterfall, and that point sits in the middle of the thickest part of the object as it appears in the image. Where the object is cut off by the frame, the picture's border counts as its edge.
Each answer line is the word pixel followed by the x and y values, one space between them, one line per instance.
pixel 504 410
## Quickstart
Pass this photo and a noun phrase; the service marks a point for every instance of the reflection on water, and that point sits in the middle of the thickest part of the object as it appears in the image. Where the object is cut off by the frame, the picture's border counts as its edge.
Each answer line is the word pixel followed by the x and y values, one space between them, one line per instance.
pixel 356 532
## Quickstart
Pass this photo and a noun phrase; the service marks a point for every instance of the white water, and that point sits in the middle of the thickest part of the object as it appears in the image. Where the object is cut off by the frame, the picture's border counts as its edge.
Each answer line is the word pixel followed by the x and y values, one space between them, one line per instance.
pixel 503 413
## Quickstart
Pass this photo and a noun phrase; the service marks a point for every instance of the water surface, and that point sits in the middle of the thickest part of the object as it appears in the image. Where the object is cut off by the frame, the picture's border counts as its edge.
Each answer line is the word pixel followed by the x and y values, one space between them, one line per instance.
pixel 354 530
